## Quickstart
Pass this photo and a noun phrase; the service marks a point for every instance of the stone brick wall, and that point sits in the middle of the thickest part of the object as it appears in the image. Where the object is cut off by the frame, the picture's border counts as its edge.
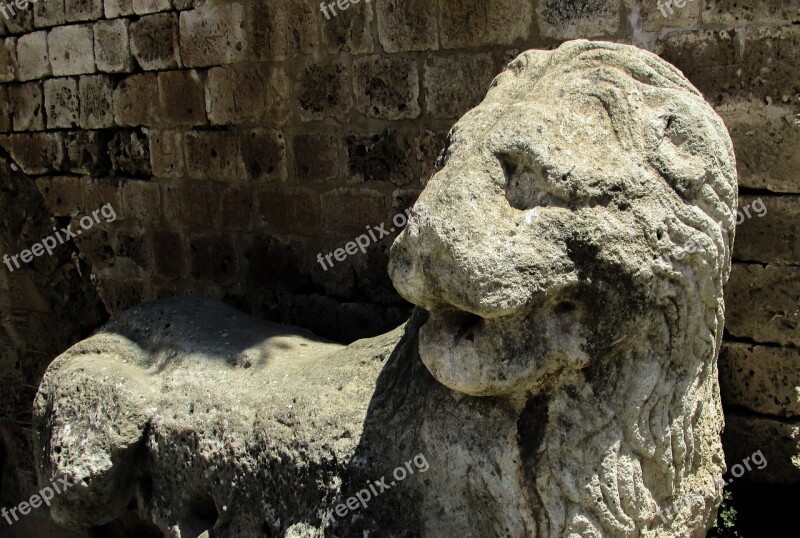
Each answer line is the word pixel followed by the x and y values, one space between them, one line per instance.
pixel 238 139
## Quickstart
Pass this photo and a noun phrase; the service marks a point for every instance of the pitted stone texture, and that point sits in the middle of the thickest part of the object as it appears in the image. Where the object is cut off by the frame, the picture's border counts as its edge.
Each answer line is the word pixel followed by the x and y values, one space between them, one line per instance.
pixel 568 19
pixel 475 23
pixel 117 8
pixel 96 97
pixel 154 41
pixel 61 103
pixel 778 441
pixel 769 231
pixel 324 90
pixel 83 10
pixel 8 60
pixel 408 25
pixel 32 56
pixel 764 379
pixel 387 87
pixel 111 48
pixel 49 13
pixel 350 31
pixel 454 84
pixel 764 303
pixel 247 95
pixel 129 95
pixel 71 50
pixel 734 12
pixel 561 381
pixel 27 110
pixel 214 35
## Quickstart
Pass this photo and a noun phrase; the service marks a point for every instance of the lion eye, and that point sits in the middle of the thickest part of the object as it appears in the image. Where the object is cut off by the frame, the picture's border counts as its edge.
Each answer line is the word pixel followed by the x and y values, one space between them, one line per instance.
pixel 529 183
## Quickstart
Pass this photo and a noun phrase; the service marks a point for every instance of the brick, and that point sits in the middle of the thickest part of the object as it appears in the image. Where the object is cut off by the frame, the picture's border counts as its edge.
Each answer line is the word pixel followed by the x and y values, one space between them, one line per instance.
pixel 762 303
pixel 182 98
pixel 264 154
pixel 213 257
pixel 61 103
pixel 129 151
pixel 350 31
pixel 5 110
pixel 37 153
pixel 154 41
pixel 581 18
pixel 141 201
pixel 734 12
pixel 96 102
pixel 8 59
pixel 778 441
pixel 27 106
pixel 407 25
pixel 455 84
pixel 317 158
pixel 63 195
pixel 290 210
pixel 168 253
pixel 773 237
pixel 194 204
pixel 475 23
pixel 99 192
pixel 82 10
pixel 237 209
pixel 71 50
pixel 760 378
pixel 166 153
pixel 324 91
pixel 214 155
pixel 143 7
pixel 282 33
pixel 213 35
pixel 34 62
pixel 235 95
pixel 387 87
pixel 350 210
pixel 111 47
pixel 767 144
pixel 87 152
pixel 381 156
pixel 117 8
pixel 136 99
pixel 48 13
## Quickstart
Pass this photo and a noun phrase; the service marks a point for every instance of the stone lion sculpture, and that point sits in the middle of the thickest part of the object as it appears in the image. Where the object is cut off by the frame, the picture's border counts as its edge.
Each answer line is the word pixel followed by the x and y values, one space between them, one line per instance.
pixel 558 377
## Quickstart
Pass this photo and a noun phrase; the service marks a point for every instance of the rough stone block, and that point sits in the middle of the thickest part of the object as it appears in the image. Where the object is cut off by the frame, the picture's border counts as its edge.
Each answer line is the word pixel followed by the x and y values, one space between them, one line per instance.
pixel 455 84
pixel 387 87
pixel 97 102
pixel 214 35
pixel 237 209
pixel 48 13
pixel 773 237
pixel 22 20
pixel 87 152
pixel 34 62
pixel 61 103
pixel 581 18
pixel 282 31
pixel 237 95
pixel 136 100
pixel 476 23
pixel 213 257
pixel 111 47
pixel 767 144
pixel 141 201
pixel 129 151
pixel 168 253
pixel 166 153
pixel 324 91
pixel 194 204
pixel 121 294
pixel 117 8
pixel 351 210
pixel 8 59
pixel 350 31
pixel 655 15
pixel 734 12
pixel 182 98
pixel 214 155
pixel 154 41
pixel 71 50
pixel 290 210
pixel 6 124
pixel 27 106
pixel 37 153
pixel 428 145
pixel 82 10
pixel 382 156
pixel 408 25
pixel 99 192
pixel 264 154
pixel 760 378
pixel 762 303
pixel 143 7
pixel 779 443
pixel 63 195
pixel 317 158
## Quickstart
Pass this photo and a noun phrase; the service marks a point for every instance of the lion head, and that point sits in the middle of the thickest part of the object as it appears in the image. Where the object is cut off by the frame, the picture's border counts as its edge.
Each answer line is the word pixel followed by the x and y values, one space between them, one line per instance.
pixel 551 250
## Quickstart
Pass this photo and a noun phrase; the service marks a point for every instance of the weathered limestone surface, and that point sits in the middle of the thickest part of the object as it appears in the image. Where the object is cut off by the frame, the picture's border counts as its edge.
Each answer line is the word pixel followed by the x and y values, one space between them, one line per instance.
pixel 559 378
